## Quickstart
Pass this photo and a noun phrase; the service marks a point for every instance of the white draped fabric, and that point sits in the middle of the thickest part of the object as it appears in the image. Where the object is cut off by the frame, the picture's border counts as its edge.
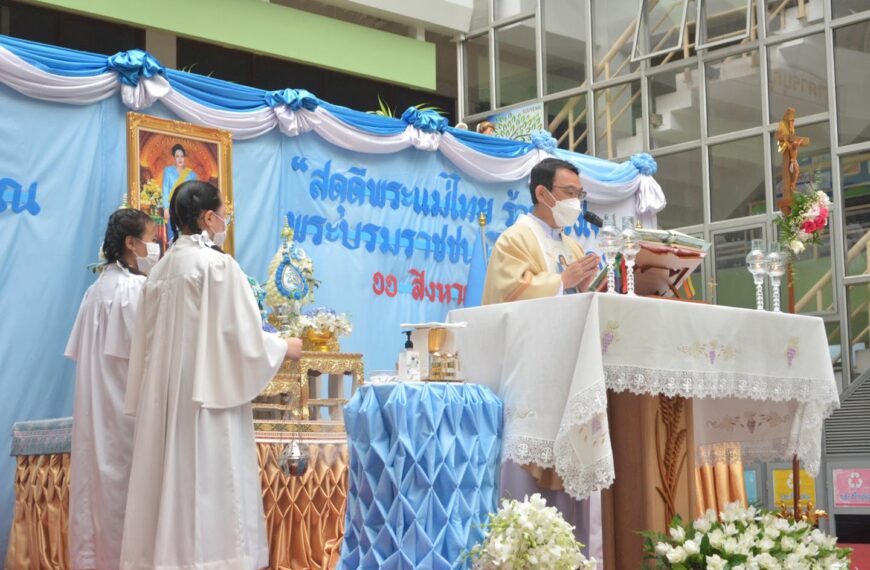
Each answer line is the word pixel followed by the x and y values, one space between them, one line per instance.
pixel 761 381
pixel 31 81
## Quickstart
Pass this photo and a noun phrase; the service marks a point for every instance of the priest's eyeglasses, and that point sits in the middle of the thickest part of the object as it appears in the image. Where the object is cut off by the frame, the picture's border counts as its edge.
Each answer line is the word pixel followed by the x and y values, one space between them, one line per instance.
pixel 572 191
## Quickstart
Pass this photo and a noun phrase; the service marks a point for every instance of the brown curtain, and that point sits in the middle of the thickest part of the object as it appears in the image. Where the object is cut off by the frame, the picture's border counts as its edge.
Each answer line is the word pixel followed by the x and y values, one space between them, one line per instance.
pixel 304 515
pixel 719 480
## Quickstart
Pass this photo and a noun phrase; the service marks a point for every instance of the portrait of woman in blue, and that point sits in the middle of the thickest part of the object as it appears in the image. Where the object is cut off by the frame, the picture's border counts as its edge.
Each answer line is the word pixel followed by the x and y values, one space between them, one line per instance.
pixel 174 175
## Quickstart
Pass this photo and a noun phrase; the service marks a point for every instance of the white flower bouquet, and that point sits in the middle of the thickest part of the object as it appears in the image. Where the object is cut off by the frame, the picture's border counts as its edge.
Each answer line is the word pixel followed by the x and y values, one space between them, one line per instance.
pixel 529 534
pixel 744 539
pixel 321 320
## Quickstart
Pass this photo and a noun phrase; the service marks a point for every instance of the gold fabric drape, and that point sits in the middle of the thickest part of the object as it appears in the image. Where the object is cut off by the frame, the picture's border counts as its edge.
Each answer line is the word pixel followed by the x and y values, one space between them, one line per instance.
pixel 720 481
pixel 38 539
pixel 304 515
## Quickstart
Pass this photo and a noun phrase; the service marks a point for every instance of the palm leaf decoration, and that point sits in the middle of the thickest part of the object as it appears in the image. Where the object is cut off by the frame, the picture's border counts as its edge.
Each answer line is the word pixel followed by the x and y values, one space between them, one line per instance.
pixel 385 110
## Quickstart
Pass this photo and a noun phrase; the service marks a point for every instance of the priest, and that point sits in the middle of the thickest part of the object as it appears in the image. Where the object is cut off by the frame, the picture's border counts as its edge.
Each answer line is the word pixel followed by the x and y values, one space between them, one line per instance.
pixel 533 259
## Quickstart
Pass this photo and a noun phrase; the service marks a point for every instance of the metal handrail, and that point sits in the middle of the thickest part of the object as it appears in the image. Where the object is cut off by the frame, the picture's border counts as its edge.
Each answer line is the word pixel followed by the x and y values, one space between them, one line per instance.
pixel 826 278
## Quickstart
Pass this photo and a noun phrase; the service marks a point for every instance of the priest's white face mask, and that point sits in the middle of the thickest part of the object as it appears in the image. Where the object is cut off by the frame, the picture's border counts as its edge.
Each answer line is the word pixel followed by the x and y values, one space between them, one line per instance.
pixel 565 212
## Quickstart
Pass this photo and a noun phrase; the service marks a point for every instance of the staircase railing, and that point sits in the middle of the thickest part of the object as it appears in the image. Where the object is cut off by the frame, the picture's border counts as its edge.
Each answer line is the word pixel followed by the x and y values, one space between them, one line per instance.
pixel 606 114
pixel 824 280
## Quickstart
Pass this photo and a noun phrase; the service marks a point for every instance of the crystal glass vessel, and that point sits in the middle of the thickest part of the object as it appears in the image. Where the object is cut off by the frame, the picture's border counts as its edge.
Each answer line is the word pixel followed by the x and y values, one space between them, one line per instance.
pixel 777 264
pixel 610 242
pixel 756 263
pixel 630 249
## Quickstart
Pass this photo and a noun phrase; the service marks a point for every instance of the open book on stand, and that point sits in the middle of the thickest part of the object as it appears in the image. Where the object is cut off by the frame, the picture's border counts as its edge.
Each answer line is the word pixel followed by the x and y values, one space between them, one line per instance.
pixel 665 261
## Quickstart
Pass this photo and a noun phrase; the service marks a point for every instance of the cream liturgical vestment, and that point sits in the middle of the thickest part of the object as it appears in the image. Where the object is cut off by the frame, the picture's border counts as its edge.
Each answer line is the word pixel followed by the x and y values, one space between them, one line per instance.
pixel 527 262
pixel 102 440
pixel 199 357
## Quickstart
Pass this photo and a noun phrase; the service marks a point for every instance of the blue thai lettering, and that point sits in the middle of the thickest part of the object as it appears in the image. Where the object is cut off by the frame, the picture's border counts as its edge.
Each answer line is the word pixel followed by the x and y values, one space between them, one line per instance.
pixel 17 204
pixel 480 206
pixel 333 231
pixel 458 247
pixel 319 186
pixel 513 209
pixel 426 240
pixel 439 241
pixel 408 236
pixel 386 245
pixel 338 187
pixel 372 240
pixel 356 186
pixel 395 188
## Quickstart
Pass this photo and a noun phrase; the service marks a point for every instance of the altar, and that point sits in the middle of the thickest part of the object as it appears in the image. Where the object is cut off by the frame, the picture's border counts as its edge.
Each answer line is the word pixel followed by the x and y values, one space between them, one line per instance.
pixel 652 394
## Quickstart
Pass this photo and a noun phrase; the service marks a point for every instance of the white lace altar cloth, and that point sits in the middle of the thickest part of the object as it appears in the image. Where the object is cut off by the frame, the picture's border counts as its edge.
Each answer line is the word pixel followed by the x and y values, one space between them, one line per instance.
pixel 762 383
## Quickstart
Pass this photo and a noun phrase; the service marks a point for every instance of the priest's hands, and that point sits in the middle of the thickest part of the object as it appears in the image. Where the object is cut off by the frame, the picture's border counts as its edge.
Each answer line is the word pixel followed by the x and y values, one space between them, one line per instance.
pixel 294 348
pixel 581 273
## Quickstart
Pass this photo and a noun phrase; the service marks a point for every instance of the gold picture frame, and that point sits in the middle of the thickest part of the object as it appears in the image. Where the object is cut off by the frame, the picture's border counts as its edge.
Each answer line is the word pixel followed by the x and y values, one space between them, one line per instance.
pixel 162 153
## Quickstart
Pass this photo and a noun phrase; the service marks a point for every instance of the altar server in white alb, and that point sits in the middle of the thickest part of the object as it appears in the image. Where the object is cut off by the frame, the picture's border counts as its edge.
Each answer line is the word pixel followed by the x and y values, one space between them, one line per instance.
pixel 102 442
pixel 199 357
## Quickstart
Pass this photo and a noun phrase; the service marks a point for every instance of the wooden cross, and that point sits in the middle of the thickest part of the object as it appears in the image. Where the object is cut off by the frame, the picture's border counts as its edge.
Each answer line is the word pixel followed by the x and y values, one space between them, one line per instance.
pixel 787 145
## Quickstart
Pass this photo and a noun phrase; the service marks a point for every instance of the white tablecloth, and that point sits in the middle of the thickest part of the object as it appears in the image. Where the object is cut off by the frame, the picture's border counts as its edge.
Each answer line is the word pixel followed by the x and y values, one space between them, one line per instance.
pixel 760 380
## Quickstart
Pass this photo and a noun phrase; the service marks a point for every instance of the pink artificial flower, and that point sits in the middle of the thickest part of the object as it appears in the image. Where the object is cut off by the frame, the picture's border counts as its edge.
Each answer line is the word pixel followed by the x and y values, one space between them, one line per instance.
pixel 808 226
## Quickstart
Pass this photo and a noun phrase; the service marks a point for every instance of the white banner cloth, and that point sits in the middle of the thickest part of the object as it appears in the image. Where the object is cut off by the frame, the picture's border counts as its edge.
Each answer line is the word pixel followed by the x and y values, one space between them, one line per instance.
pixel 552 360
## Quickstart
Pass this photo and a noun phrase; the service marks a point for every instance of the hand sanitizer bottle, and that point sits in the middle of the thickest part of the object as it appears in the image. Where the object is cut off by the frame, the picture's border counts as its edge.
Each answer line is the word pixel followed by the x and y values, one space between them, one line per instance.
pixel 409 362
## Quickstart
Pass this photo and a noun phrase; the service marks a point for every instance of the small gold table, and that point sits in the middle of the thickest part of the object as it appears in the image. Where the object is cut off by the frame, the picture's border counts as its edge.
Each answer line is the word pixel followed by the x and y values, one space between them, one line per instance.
pixel 297 388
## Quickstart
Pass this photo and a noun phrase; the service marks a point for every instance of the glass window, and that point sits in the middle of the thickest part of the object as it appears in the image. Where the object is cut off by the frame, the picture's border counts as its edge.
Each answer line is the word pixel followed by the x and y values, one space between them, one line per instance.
pixel 516 63
pixel 842 8
pixel 733 283
pixel 566 120
pixel 612 30
pixel 859 327
pixel 855 181
pixel 737 179
pixel 814 292
pixel 722 21
pixel 851 61
pixel 618 114
pixel 508 8
pixel 564 44
pixel 680 177
pixel 477 75
pixel 675 108
pixel 733 94
pixel 797 77
pixel 480 14
pixel 661 27
pixel 790 15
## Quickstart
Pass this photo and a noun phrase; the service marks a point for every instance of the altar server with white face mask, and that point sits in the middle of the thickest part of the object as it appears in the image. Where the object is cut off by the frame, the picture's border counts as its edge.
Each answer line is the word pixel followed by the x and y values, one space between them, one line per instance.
pixel 102 441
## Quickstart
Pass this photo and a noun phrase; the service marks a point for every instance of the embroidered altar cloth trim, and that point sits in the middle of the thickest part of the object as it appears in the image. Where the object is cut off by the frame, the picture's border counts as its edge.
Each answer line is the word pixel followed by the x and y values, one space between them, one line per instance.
pixel 762 382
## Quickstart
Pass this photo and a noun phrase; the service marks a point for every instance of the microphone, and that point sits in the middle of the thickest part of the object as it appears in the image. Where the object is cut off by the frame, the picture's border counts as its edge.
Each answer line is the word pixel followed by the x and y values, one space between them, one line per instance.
pixel 593 218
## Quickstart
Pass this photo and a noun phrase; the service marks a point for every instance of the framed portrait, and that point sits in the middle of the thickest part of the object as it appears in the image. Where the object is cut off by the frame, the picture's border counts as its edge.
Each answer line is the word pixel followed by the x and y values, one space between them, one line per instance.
pixel 162 154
